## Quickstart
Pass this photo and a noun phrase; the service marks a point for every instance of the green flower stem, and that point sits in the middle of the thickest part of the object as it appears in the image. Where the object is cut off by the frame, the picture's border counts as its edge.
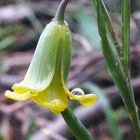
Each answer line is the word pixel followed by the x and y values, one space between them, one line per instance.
pixel 77 128
pixel 59 16
pixel 118 72
pixel 75 125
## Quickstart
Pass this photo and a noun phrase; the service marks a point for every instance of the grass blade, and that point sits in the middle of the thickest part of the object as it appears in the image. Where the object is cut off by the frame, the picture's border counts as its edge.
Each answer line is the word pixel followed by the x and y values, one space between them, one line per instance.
pixel 31 129
pixel 119 74
pixel 112 122
pixel 109 25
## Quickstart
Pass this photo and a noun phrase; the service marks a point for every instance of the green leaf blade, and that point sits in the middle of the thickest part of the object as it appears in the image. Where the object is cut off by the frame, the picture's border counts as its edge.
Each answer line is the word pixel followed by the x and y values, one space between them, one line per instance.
pixel 126 32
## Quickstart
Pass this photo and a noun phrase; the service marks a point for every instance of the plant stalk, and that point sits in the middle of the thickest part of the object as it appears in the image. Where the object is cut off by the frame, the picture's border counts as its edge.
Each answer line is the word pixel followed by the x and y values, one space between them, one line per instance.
pixel 77 128
pixel 59 16
pixel 120 75
pixel 75 125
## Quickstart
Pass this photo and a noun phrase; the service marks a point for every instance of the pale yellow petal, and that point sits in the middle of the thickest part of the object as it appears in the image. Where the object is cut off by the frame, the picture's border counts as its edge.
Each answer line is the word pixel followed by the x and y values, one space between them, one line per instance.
pixel 53 98
pixel 85 100
pixel 21 89
pixel 56 106
pixel 16 96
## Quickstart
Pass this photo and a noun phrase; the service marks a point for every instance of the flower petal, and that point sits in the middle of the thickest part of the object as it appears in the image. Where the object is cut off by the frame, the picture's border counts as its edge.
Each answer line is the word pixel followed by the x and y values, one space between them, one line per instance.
pixel 66 55
pixel 56 106
pixel 53 98
pixel 42 68
pixel 48 54
pixel 16 96
pixel 21 89
pixel 85 100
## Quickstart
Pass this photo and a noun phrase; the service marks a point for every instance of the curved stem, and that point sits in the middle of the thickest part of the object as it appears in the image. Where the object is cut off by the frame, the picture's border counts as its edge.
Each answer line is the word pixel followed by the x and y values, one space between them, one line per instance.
pixel 75 125
pixel 59 16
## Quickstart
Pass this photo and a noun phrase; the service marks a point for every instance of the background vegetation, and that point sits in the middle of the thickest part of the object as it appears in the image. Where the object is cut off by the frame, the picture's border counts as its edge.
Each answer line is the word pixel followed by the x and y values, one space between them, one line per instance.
pixel 21 22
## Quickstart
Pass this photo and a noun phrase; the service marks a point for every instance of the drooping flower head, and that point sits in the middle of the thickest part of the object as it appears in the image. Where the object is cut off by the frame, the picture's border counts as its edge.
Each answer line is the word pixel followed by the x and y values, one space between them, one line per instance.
pixel 47 74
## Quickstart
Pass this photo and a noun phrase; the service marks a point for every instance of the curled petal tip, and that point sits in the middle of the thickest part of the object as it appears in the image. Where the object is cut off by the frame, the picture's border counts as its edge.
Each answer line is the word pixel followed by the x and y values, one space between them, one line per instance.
pixel 17 96
pixel 88 99
pixel 84 99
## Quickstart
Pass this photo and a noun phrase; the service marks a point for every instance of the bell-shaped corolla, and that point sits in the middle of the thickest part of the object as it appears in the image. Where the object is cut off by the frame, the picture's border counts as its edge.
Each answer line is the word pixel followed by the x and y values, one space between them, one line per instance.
pixel 47 74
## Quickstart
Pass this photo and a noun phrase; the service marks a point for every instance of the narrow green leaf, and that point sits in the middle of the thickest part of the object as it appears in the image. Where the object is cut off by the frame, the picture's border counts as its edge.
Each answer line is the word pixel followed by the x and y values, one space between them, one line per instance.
pixel 94 3
pixel 109 24
pixel 7 43
pixel 31 129
pixel 2 138
pixel 119 74
pixel 126 32
pixel 109 113
pixel 113 62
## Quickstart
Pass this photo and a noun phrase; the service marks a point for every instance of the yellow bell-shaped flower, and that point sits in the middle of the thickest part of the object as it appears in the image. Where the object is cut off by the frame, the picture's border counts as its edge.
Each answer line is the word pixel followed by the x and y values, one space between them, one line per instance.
pixel 45 79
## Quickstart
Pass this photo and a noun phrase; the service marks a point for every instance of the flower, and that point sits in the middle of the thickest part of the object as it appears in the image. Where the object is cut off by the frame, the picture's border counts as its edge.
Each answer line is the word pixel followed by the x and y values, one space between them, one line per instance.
pixel 45 79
